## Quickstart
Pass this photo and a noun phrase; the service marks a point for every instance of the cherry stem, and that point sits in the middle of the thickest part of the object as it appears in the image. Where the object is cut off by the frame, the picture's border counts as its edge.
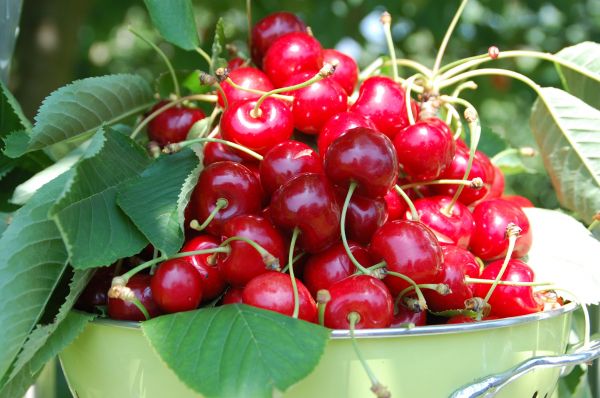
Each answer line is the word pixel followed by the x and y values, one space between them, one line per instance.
pixel 178 145
pixel 140 306
pixel 271 262
pixel 492 71
pixel 353 259
pixel 413 211
pixel 409 85
pixel 422 69
pixel 453 113
pixel 162 55
pixel 468 279
pixel 221 203
pixel 323 297
pixel 204 55
pixel 414 285
pixel 377 388
pixel 475 183
pixel 291 271
pixel 370 69
pixel 440 54
pixel 386 21
pixel 326 71
pixel 288 98
pixel 294 260
pixel 471 85
pixel 438 287
pixel 523 151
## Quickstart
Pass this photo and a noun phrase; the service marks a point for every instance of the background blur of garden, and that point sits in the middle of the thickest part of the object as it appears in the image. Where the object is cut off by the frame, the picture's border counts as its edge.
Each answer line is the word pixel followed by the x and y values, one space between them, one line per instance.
pixel 64 40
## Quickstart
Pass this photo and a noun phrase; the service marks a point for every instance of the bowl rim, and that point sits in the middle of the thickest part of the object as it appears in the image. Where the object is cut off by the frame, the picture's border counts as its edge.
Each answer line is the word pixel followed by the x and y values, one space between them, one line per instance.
pixel 415 331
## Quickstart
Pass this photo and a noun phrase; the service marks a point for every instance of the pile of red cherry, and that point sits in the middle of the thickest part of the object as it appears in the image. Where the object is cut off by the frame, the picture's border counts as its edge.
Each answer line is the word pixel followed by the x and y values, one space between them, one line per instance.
pixel 392 269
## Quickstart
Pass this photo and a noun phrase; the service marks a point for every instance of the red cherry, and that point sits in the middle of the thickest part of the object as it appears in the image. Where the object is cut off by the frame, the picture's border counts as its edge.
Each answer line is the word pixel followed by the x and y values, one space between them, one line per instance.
pixel 507 300
pixel 364 156
pixel 290 54
pixel 273 125
pixel 364 295
pixel 308 202
pixel 217 152
pixel 126 311
pixel 270 28
pixel 409 248
pixel 177 286
pixel 497 187
pixel 404 316
pixel 339 125
pixel 396 205
pixel 244 262
pixel 332 265
pixel 383 101
pixel 286 160
pixel 230 181
pixel 233 295
pixel 273 291
pixel 363 217
pixel 173 124
pixel 489 241
pixel 518 200
pixel 346 71
pixel 248 78
pixel 424 151
pixel 96 292
pixel 213 283
pixel 236 63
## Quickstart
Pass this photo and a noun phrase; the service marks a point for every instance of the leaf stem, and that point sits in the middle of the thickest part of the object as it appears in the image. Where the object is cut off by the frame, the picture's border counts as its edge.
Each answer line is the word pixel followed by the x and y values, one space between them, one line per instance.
pixel 440 54
pixel 291 271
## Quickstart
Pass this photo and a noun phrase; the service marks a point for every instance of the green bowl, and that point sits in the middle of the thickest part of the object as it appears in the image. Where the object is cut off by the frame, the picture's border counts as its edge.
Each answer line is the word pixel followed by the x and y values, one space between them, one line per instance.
pixel 113 359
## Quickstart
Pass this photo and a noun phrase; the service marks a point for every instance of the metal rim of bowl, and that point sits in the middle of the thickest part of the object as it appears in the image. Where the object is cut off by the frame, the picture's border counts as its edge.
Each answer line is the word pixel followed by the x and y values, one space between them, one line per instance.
pixel 416 331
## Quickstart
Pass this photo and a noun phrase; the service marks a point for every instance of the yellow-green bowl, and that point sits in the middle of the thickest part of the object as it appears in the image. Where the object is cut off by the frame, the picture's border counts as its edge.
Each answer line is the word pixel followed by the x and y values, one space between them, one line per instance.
pixel 113 359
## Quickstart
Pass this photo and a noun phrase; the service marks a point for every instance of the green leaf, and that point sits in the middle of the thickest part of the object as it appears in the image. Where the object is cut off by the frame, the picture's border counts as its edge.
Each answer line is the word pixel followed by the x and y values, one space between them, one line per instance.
pixel 566 131
pixel 95 230
pixel 11 115
pixel 5 219
pixel 237 350
pixel 581 75
pixel 33 259
pixel 151 200
pixel 65 333
pixel 175 21
pixel 81 107
pixel 218 46
pixel 189 81
pixel 490 142
pixel 512 163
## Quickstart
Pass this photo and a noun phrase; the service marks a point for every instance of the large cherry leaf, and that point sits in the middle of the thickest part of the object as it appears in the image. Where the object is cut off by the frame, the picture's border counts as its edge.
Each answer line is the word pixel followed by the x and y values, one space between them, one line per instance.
pixel 237 350
pixel 95 230
pixel 152 199
pixel 11 115
pixel 567 130
pixel 175 21
pixel 33 259
pixel 583 78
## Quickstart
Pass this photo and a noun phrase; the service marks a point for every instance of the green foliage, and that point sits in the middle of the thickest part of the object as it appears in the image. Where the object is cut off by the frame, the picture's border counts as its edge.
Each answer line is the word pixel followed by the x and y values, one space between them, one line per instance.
pixel 218 46
pixel 174 19
pixel 189 81
pixel 585 82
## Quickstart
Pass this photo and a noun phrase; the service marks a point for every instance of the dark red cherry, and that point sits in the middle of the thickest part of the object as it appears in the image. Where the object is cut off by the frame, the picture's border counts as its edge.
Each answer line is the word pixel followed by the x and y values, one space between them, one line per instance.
pixel 308 202
pixel 489 241
pixel 286 160
pixel 236 63
pixel 217 152
pixel 96 292
pixel 338 125
pixel 507 300
pixel 233 295
pixel 290 54
pixel 230 181
pixel 173 124
pixel 270 28
pixel 405 316
pixel 332 265
pixel 273 291
pixel 518 200
pixel 409 248
pixel 213 283
pixel 364 156
pixel 383 101
pixel 363 217
pixel 396 205
pixel 364 295
pixel 244 262
pixel 454 228
pixel 346 71
pixel 177 286
pixel 424 151
pixel 247 77
pixel 126 311
pixel 273 125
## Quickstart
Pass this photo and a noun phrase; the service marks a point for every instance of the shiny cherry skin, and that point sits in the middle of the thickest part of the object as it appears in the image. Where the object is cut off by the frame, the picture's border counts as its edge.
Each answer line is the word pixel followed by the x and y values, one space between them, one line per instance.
pixel 126 311
pixel 96 292
pixel 339 125
pixel 213 283
pixel 217 152
pixel 364 156
pixel 518 200
pixel 489 241
pixel 236 63
pixel 497 187
pixel 173 124
pixel 273 291
pixel 270 28
pixel 363 217
pixel 409 248
pixel 404 316
pixel 346 71
pixel 290 54
pixel 308 202
pixel 286 160
pixel 233 295
pixel 273 125
pixel 395 205
pixel 457 264
pixel 363 294
pixel 231 181
pixel 332 265
pixel 424 151
pixel 383 101
pixel 176 286
pixel 507 301
pixel 244 262
pixel 455 228
pixel 247 77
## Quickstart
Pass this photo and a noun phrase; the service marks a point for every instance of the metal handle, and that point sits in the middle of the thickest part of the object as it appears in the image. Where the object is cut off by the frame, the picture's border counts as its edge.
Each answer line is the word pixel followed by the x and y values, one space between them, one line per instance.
pixel 490 385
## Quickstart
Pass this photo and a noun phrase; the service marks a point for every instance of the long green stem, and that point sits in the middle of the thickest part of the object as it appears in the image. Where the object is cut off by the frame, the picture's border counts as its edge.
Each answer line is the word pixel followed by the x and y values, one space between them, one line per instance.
pixel 140 306
pixel 430 286
pixel 440 54
pixel 221 203
pixel 491 71
pixel 474 183
pixel 323 297
pixel 288 98
pixel 291 271
pixel 412 283
pixel 271 262
pixel 422 69
pixel 386 21
pixel 177 146
pixel 204 55
pixel 249 21
pixel 468 279
pixel 407 101
pixel 413 210
pixel 353 259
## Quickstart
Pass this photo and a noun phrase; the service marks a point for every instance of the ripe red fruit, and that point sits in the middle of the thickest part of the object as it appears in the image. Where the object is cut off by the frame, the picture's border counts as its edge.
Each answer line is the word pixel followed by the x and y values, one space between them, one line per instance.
pixel 233 295
pixel 518 200
pixel 270 28
pixel 248 78
pixel 338 125
pixel 126 311
pixel 177 286
pixel 404 316
pixel 346 71
pixel 213 283
pixel 396 205
pixel 363 217
pixel 96 292
pixel 173 124
pixel 217 152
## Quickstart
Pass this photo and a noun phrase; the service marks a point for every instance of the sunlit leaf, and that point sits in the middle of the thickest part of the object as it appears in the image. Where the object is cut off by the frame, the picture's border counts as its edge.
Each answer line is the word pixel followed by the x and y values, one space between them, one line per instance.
pixel 174 19
pixel 583 82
